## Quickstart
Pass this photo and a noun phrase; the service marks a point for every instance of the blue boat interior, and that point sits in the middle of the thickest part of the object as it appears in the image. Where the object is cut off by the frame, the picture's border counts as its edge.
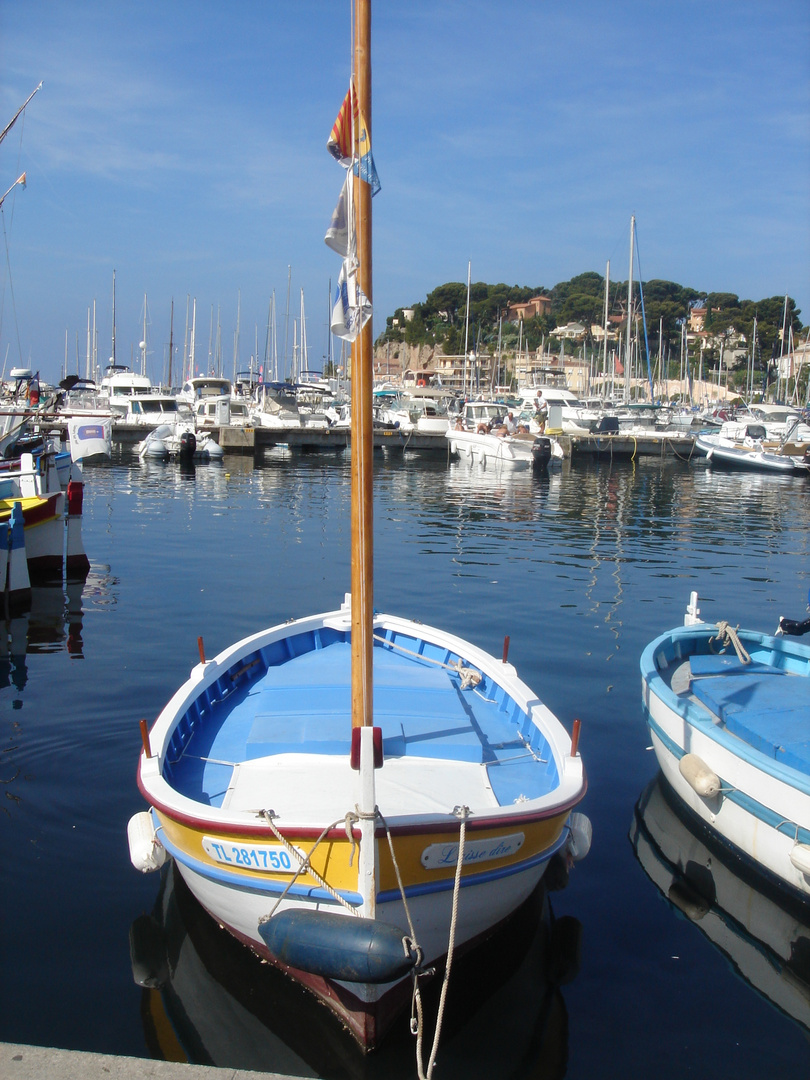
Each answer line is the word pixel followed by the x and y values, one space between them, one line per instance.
pixel 764 705
pixel 294 696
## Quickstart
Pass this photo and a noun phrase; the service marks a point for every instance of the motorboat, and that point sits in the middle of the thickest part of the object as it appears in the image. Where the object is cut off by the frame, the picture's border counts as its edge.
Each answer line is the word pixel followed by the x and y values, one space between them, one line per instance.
pixel 746 445
pixel 499 451
pixel 274 405
pixel 759 929
pixel 564 410
pixel 181 442
pixel 728 712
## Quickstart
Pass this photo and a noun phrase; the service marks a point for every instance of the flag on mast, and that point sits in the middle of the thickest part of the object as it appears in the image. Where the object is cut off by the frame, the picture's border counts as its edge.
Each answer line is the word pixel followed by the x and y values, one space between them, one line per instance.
pixel 340 234
pixel 352 308
pixel 350 142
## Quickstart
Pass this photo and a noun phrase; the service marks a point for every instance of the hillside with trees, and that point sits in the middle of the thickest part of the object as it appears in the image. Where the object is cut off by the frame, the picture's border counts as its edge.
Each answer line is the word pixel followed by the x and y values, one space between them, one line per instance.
pixel 439 321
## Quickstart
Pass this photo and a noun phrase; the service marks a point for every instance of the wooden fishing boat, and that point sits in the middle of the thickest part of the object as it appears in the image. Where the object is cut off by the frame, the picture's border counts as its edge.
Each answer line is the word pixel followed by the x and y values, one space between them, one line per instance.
pixel 728 711
pixel 354 795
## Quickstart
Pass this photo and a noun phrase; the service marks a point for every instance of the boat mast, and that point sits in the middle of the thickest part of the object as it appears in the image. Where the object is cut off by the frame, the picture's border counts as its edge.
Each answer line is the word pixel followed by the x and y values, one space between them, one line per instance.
pixel 466 330
pixel 113 322
pixel 236 335
pixel 629 344
pixel 362 378
pixel 604 344
pixel 143 340
pixel 171 342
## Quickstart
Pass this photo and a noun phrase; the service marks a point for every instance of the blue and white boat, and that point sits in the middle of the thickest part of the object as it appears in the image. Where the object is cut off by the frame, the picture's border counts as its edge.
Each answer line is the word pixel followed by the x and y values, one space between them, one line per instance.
pixel 729 715
pixel 355 796
pixel 324 846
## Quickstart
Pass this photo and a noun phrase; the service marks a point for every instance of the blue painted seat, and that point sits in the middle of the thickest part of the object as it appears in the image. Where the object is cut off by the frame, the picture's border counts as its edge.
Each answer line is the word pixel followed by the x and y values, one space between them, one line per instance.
pixel 771 714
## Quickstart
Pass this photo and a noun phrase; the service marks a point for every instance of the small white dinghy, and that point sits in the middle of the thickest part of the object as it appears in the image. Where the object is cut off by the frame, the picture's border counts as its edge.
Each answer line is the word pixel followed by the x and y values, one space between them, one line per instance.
pixel 729 715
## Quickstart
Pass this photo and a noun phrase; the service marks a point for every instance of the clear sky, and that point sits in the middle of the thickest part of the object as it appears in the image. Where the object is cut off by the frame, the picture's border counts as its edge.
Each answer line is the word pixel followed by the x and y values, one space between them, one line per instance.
pixel 183 145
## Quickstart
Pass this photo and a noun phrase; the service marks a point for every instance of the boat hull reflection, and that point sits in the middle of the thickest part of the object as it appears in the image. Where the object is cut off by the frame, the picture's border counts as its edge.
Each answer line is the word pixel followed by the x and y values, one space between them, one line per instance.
pixel 207 1000
pixel 763 931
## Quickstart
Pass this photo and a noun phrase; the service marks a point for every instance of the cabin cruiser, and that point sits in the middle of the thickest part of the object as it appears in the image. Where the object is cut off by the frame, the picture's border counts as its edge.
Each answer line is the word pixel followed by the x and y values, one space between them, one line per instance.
pixel 274 405
pixel 566 412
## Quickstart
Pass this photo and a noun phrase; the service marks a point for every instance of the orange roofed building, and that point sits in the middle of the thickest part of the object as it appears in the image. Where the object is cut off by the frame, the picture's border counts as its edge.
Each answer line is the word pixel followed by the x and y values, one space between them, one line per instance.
pixel 528 309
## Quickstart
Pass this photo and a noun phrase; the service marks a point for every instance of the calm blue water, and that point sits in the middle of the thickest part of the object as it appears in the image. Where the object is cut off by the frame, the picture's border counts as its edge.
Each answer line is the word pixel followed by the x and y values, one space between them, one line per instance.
pixel 581 569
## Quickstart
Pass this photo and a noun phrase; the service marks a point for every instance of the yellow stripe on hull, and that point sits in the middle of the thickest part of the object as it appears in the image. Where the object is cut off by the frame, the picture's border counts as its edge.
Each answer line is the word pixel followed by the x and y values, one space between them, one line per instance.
pixel 331 859
pixel 539 836
pixel 337 860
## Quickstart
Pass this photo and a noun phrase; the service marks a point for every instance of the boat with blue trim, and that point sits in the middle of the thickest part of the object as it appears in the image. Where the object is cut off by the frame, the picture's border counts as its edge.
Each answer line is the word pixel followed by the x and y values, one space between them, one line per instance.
pixel 346 854
pixel 357 796
pixel 728 711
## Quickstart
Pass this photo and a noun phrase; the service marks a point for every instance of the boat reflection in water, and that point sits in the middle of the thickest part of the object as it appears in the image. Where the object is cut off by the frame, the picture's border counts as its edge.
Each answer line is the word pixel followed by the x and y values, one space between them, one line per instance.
pixel 208 1000
pixel 762 931
pixel 52 623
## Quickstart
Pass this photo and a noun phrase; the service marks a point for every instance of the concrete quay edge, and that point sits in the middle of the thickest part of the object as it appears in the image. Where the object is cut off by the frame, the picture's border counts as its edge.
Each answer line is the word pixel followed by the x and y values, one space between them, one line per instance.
pixel 19 1062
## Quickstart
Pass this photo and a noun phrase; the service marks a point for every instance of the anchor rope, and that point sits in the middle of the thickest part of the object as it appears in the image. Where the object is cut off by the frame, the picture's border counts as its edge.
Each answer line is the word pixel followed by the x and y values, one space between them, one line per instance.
pixel 727 635
pixel 469 676
pixel 304 864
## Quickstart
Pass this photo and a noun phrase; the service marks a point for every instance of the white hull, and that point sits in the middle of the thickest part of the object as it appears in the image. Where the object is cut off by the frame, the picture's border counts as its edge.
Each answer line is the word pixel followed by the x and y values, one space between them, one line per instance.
pixel 481 908
pixel 495 450
pixel 762 807
pixel 717 448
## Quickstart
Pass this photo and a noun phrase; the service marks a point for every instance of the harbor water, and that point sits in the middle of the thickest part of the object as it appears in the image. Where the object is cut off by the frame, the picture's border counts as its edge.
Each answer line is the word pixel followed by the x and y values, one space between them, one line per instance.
pixel 580 568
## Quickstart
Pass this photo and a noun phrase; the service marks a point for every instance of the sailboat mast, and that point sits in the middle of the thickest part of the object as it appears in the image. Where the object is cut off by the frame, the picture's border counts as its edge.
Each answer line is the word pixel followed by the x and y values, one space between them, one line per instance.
pixel 362 378
pixel 629 344
pixel 605 343
pixel 171 342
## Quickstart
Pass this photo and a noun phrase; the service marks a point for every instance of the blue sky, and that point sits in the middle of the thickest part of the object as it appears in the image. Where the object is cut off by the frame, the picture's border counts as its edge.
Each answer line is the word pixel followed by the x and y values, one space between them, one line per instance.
pixel 183 144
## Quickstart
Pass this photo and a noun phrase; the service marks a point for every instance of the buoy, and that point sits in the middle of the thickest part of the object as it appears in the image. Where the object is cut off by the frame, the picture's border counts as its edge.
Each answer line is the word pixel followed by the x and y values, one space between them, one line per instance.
pixel 146 852
pixel 699 776
pixel 800 857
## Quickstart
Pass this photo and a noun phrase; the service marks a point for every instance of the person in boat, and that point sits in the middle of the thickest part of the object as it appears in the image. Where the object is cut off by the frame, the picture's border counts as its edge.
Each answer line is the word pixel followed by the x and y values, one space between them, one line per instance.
pixel 509 423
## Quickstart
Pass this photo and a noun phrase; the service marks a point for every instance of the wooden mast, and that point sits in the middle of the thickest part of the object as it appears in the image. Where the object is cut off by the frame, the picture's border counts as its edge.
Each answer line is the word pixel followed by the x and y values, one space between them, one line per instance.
pixel 362 583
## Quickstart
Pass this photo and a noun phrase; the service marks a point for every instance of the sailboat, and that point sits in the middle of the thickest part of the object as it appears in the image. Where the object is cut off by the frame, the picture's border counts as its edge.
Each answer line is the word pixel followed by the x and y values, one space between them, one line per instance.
pixel 356 796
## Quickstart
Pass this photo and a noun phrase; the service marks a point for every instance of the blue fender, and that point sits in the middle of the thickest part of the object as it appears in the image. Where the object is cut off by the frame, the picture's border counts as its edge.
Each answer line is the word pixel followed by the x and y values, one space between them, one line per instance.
pixel 338 946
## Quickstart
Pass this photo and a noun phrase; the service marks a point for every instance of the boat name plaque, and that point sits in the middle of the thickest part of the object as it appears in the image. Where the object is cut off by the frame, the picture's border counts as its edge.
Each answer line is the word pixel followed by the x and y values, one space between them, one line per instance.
pixel 271 857
pixel 441 856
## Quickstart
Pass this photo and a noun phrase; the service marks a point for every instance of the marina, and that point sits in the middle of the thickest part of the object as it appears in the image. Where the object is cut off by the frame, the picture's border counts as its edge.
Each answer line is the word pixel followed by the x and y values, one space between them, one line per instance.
pixel 428 698
pixel 581 567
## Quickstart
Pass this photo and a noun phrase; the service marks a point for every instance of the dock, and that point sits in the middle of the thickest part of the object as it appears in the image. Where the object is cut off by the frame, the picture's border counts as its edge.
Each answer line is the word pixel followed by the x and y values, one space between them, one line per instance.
pixel 18 1062
pixel 254 440
pixel 660 444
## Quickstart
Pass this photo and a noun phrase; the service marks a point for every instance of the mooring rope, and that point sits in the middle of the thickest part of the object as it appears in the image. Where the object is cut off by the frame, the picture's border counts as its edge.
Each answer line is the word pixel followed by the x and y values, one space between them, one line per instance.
pixel 469 676
pixel 727 635
pixel 463 813
pixel 304 864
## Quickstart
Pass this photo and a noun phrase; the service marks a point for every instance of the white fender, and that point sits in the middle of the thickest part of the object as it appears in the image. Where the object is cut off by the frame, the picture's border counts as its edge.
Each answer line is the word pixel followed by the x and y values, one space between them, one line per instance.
pixel 699 776
pixel 800 857
pixel 145 850
pixel 579 842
